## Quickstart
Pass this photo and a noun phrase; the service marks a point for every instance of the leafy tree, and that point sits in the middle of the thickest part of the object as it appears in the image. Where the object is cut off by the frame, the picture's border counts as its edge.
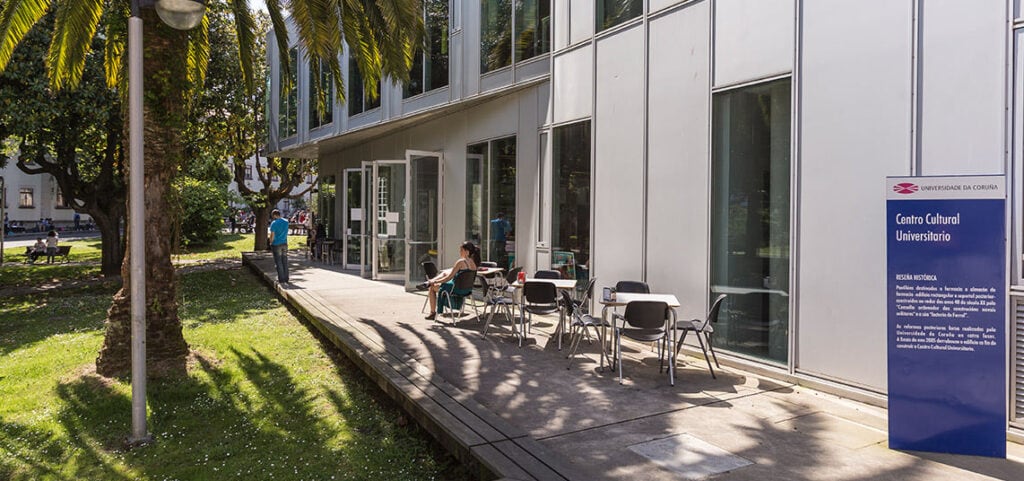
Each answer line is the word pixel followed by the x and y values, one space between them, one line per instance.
pixel 383 34
pixel 202 205
pixel 73 136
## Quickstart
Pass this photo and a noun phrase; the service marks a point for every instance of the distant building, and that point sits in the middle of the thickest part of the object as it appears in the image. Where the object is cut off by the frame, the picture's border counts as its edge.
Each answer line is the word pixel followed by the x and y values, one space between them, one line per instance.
pixel 29 198
pixel 286 206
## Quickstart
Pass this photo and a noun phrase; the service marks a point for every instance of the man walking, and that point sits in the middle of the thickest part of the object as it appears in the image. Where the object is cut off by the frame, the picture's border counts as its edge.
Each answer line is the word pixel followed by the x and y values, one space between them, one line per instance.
pixel 279 245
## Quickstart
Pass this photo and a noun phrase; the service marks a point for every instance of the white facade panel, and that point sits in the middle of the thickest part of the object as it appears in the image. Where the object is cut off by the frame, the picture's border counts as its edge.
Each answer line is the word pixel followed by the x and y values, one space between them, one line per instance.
pixel 573 88
pixel 581 21
pixel 618 130
pixel 560 32
pixel 753 39
pixel 963 87
pixel 656 5
pixel 677 157
pixel 852 137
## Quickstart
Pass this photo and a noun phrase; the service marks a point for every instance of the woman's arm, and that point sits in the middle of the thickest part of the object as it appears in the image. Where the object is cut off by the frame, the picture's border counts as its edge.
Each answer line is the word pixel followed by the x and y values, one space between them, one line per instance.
pixel 448 274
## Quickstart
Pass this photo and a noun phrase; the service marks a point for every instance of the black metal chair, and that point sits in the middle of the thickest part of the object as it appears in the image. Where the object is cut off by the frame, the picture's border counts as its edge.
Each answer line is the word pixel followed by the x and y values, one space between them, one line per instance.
pixel 633 287
pixel 499 294
pixel 538 298
pixel 430 269
pixel 702 326
pixel 460 294
pixel 579 321
pixel 643 321
pixel 547 274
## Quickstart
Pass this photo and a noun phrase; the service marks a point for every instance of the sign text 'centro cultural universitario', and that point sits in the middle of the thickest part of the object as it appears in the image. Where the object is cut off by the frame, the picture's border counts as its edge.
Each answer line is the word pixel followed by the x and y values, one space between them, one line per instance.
pixel 947 314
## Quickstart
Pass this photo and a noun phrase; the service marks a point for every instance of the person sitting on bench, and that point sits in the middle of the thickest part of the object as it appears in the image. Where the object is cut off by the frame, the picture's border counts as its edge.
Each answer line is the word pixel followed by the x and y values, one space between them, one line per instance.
pixel 38 249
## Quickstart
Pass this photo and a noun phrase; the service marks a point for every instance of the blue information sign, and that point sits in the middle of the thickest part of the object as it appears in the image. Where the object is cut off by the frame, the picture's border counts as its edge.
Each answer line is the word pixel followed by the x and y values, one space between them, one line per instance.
pixel 946 250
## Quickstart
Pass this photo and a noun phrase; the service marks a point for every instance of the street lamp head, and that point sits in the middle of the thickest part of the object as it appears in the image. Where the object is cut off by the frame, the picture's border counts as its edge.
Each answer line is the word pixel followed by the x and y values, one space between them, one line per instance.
pixel 181 14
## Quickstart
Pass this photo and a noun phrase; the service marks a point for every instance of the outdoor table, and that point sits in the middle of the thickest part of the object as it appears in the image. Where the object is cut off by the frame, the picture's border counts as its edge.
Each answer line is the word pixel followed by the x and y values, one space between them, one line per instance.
pixel 560 284
pixel 623 298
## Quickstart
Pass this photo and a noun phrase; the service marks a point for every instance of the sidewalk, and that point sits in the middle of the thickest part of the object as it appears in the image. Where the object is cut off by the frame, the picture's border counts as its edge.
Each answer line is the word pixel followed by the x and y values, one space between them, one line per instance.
pixel 738 427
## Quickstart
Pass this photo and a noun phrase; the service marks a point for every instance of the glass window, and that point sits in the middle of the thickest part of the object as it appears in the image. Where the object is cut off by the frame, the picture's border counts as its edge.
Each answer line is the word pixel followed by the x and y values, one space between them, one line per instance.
pixel 62 202
pixel 430 64
pixel 288 110
pixel 248 172
pixel 321 110
pixel 495 34
pixel 491 199
pixel 26 197
pixel 570 206
pixel 614 12
pixel 533 28
pixel 326 207
pixel 358 99
pixel 750 219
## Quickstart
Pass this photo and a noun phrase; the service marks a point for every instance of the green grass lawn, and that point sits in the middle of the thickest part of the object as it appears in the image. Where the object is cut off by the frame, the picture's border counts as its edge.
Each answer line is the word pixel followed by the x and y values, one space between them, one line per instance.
pixel 85 263
pixel 264 399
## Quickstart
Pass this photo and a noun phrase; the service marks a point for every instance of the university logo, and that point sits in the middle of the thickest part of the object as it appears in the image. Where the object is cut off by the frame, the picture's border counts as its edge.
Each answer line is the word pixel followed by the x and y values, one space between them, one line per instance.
pixel 905 188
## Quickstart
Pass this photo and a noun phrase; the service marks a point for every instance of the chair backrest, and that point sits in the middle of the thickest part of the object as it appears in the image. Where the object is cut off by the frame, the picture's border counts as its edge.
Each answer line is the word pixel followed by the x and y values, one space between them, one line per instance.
pixel 715 308
pixel 465 280
pixel 540 292
pixel 430 269
pixel 632 287
pixel 646 314
pixel 570 306
pixel 488 264
pixel 588 292
pixel 513 275
pixel 547 275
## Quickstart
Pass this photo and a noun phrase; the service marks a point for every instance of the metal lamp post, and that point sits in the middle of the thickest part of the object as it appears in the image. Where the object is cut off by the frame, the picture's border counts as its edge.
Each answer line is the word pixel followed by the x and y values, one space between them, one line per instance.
pixel 3 205
pixel 181 15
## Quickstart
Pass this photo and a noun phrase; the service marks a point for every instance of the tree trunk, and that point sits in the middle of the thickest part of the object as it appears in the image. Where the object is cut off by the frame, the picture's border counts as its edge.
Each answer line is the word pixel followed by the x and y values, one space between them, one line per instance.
pixel 110 241
pixel 166 83
pixel 260 226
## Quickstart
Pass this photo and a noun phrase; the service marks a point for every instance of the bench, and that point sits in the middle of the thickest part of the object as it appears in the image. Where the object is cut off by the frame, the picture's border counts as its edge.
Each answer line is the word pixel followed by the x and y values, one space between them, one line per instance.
pixel 62 254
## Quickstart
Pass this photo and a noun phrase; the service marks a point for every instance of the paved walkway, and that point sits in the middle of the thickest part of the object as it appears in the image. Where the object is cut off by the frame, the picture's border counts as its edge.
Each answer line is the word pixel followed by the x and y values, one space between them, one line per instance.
pixel 743 426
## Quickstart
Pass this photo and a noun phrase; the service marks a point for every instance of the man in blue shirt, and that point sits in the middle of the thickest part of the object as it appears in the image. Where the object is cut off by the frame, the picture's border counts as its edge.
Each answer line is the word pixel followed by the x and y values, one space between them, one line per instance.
pixel 279 245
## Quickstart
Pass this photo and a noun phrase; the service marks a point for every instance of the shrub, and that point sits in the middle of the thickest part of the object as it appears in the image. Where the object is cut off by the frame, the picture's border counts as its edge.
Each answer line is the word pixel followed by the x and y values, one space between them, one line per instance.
pixel 201 208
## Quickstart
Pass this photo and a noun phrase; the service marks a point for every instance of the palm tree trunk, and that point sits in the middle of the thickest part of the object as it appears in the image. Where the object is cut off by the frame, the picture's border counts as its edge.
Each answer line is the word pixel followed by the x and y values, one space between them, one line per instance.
pixel 166 83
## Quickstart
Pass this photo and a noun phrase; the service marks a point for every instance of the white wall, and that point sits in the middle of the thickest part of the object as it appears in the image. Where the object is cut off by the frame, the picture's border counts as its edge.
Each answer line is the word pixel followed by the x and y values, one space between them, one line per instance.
pixel 855 129
pixel 963 86
pixel 677 216
pixel 573 84
pixel 753 39
pixel 618 152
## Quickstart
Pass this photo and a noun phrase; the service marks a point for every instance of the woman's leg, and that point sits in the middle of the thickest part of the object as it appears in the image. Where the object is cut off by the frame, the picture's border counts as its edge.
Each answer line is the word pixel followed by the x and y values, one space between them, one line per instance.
pixel 433 298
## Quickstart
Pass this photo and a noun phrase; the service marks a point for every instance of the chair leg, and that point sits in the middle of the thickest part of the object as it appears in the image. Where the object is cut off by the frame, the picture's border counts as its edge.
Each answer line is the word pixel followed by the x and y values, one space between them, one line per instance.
pixel 679 344
pixel 706 357
pixel 425 302
pixel 618 354
pixel 711 348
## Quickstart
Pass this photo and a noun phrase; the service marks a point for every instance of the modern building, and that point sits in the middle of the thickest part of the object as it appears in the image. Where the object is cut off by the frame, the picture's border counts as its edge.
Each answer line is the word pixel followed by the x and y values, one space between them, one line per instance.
pixel 703 146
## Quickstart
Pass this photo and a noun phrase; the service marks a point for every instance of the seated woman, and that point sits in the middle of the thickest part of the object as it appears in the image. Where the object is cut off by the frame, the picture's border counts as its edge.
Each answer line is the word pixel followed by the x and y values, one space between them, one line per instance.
pixel 469 259
pixel 38 249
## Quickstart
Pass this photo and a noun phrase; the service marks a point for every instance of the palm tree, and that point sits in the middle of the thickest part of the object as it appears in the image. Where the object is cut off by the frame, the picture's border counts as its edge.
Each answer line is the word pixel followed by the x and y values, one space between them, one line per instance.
pixel 382 35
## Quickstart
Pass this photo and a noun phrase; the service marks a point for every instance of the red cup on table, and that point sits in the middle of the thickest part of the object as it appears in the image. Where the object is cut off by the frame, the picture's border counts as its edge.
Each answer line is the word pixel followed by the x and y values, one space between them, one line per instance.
pixel 522 277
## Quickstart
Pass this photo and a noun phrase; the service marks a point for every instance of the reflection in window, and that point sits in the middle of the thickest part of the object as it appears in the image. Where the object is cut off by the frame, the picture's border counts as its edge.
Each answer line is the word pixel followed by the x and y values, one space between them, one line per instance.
pixel 358 99
pixel 495 34
pixel 430 65
pixel 321 108
pixel 288 109
pixel 570 209
pixel 750 219
pixel 491 199
pixel 327 195
pixel 613 12
pixel 533 28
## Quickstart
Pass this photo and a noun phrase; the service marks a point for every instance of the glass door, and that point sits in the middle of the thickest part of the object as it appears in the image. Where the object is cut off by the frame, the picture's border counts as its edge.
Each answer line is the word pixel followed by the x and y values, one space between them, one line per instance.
pixel 424 221
pixel 389 219
pixel 353 212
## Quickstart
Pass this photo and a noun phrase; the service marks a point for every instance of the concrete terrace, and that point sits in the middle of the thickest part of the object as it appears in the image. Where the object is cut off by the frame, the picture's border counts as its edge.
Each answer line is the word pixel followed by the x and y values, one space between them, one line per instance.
pixel 519 413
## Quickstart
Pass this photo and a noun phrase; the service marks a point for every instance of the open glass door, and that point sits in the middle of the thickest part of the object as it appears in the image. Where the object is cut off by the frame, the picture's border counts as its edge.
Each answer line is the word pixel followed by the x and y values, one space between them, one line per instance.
pixel 424 221
pixel 366 227
pixel 353 212
pixel 389 217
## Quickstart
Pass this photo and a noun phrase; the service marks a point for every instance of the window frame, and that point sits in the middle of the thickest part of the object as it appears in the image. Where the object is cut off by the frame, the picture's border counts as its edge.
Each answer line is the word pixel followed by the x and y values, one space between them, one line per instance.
pixel 31 204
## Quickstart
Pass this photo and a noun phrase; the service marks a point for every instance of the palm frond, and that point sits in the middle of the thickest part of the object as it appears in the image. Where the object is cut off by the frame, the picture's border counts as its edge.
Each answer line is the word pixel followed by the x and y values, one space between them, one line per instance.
pixel 116 33
pixel 245 31
pixel 281 35
pixel 16 19
pixel 198 54
pixel 73 31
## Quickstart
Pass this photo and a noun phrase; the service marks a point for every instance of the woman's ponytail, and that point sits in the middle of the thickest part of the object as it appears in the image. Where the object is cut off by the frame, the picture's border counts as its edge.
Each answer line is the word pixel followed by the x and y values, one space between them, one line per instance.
pixel 473 250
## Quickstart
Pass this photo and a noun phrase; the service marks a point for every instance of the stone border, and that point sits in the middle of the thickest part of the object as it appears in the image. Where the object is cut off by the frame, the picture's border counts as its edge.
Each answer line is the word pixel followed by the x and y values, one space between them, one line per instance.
pixel 490 446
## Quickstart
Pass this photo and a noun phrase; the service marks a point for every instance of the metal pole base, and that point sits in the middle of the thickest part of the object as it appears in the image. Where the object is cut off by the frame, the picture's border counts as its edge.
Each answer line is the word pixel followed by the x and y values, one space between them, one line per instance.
pixel 134 442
